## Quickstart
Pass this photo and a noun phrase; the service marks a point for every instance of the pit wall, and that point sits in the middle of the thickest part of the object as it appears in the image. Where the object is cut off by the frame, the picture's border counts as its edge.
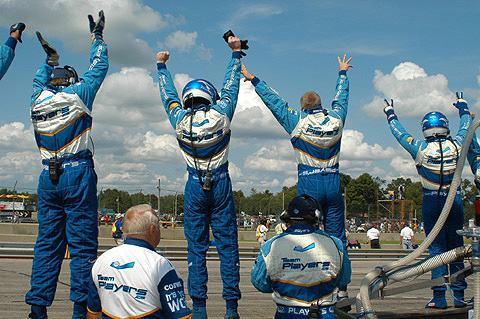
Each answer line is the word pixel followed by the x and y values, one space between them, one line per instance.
pixel 177 233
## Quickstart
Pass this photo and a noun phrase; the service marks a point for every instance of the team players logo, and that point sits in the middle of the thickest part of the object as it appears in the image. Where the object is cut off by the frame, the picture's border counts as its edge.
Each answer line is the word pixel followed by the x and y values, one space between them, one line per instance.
pixel 117 265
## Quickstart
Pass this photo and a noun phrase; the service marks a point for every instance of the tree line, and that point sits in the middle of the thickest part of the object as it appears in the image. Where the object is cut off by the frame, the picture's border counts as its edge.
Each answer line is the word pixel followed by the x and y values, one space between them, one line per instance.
pixel 365 197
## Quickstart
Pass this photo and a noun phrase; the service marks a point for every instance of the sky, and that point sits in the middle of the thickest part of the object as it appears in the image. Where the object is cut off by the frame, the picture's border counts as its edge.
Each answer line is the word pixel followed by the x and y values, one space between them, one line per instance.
pixel 418 53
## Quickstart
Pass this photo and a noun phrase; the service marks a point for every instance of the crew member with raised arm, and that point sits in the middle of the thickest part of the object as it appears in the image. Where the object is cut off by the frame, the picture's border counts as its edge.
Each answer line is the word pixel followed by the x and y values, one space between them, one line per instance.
pixel 316 136
pixel 436 159
pixel 61 113
pixel 202 128
pixel 7 50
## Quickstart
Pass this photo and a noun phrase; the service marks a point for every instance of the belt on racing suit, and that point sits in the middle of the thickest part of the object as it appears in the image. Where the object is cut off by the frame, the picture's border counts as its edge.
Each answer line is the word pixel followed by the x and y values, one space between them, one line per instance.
pixel 443 192
pixel 318 170
pixel 218 173
pixel 77 160
pixel 301 312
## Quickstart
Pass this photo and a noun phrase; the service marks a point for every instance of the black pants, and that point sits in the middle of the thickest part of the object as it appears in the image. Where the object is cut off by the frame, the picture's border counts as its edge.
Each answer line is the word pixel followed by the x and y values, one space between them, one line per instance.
pixel 375 243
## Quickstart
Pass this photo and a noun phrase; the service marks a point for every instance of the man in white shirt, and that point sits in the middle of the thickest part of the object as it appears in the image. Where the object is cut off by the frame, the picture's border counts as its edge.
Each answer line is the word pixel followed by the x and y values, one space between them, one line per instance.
pixel 134 281
pixel 373 236
pixel 407 237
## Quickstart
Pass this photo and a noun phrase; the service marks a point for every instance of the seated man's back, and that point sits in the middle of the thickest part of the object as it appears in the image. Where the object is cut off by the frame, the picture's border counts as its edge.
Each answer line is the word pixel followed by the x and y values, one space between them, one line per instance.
pixel 133 280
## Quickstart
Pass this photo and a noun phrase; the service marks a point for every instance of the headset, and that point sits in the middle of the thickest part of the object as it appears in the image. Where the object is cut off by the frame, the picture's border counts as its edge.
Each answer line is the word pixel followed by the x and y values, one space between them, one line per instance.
pixel 314 214
pixel 74 76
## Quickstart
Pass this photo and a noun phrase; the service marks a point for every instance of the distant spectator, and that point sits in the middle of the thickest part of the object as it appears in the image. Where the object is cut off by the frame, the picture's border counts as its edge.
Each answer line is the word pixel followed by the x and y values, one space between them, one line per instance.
pixel 117 230
pixel 262 231
pixel 373 236
pixel 280 228
pixel 407 237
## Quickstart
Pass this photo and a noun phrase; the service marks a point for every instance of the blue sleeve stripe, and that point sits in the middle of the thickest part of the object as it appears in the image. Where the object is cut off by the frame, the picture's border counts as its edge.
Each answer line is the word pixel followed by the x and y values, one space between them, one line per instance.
pixel 305 294
pixel 11 42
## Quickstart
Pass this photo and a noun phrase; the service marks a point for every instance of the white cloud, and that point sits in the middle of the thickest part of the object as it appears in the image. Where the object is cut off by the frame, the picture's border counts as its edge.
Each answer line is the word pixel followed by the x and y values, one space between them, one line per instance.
pixel 414 92
pixel 186 42
pixel 252 118
pixel 129 98
pixel 14 136
pixel 182 41
pixel 354 147
pixel 290 181
pixel 273 158
pixel 250 12
pixel 405 166
pixel 234 171
pixel 26 164
pixel 153 147
pixel 124 20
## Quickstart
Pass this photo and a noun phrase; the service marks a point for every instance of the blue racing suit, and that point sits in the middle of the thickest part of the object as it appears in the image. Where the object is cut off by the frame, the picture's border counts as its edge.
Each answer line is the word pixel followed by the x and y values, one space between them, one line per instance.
pixel 436 160
pixel 134 281
pixel 203 134
pixel 67 208
pixel 302 266
pixel 316 137
pixel 7 53
pixel 473 157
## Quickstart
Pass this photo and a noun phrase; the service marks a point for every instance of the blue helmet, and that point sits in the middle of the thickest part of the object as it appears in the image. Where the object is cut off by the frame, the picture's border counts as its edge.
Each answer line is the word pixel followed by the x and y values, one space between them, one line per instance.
pixel 199 89
pixel 435 124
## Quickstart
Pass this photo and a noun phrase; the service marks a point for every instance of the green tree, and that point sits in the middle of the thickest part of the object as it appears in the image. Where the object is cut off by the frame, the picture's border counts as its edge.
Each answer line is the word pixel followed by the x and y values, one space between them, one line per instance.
pixel 344 181
pixel 363 189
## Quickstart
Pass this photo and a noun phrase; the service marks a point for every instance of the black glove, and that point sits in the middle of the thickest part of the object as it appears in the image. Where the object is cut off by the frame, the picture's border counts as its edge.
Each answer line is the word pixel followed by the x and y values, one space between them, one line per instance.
pixel 243 43
pixel 52 55
pixel 18 26
pixel 96 28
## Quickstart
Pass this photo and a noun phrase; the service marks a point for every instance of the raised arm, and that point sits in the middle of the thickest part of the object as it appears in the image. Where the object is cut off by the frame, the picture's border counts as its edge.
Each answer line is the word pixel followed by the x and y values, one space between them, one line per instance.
pixel 465 117
pixel 340 101
pixel 90 82
pixel 286 116
pixel 407 141
pixel 231 82
pixel 7 51
pixel 43 75
pixel 168 92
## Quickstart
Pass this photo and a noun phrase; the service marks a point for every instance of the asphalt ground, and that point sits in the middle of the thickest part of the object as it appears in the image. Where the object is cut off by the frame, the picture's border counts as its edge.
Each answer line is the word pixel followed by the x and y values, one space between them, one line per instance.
pixel 15 280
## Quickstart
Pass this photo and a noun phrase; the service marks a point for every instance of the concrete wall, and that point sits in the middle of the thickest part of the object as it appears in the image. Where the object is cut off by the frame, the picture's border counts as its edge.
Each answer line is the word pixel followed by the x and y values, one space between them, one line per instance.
pixel 177 233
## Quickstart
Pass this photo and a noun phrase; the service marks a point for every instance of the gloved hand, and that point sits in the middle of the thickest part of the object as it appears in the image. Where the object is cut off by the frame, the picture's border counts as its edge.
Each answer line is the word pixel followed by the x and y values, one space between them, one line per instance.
pixel 20 26
pixel 52 55
pixel 96 28
pixel 243 43
pixel 388 110
pixel 461 104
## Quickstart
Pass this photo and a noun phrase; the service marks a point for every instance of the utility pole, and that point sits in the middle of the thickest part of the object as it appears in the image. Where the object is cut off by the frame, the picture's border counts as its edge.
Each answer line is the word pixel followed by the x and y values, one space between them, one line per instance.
pixel 175 204
pixel 13 203
pixel 118 204
pixel 159 195
pixel 100 199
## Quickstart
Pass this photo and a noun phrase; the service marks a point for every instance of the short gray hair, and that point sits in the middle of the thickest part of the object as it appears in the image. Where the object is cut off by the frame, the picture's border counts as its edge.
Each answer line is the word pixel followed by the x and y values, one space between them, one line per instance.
pixel 138 219
pixel 310 100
